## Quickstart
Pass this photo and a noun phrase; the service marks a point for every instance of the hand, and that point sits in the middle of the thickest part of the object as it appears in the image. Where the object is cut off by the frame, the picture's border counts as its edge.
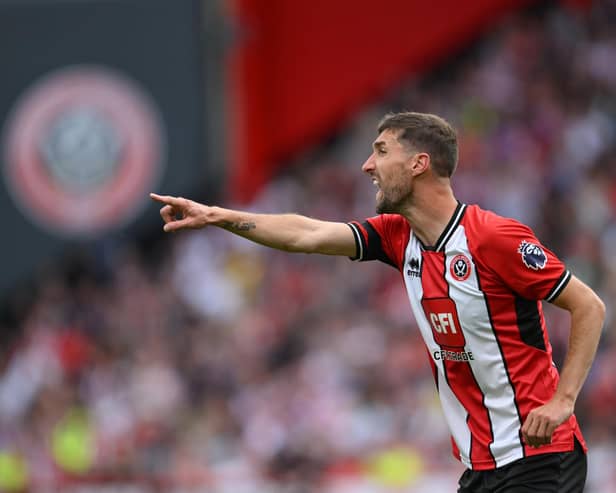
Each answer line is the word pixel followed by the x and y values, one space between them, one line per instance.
pixel 543 420
pixel 179 213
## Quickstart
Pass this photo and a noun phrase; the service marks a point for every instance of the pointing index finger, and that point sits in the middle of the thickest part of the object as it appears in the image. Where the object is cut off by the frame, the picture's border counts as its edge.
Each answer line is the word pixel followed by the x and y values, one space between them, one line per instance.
pixel 165 199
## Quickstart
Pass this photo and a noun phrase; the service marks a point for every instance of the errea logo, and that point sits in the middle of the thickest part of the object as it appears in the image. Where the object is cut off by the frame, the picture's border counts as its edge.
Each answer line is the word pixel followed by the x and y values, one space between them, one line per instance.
pixel 533 255
pixel 414 267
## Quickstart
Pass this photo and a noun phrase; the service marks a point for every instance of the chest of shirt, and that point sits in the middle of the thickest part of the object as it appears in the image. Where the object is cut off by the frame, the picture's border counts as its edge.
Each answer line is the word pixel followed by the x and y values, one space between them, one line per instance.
pixel 445 293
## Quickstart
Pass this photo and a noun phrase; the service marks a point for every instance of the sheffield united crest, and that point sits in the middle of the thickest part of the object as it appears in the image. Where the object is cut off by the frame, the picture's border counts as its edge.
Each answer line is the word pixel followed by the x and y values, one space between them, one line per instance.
pixel 460 267
pixel 82 147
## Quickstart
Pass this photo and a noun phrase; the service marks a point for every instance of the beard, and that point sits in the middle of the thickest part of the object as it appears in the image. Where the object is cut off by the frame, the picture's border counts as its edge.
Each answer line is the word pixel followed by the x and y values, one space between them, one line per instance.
pixel 390 203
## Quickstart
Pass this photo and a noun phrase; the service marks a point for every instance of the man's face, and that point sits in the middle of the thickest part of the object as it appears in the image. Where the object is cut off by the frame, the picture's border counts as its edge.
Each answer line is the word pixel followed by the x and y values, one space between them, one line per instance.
pixel 389 168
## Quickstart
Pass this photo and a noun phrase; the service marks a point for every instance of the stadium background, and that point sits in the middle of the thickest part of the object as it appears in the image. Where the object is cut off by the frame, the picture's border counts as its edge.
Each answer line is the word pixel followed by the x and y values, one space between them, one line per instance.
pixel 135 361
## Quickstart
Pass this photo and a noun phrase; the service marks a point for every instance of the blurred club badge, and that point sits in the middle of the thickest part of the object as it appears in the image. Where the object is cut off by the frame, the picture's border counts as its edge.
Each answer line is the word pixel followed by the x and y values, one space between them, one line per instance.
pixel 82 147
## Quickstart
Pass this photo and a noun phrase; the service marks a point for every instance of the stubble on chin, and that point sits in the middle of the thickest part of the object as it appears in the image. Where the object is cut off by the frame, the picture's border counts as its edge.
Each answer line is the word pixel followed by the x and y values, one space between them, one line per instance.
pixel 385 207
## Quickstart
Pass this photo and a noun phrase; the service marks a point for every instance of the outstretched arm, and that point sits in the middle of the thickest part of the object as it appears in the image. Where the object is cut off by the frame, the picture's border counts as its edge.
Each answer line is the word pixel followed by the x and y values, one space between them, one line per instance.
pixel 587 315
pixel 289 232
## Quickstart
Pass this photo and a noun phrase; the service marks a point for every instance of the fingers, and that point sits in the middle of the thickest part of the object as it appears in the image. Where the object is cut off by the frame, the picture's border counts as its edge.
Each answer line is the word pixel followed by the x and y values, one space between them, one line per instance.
pixel 178 213
pixel 529 431
pixel 172 222
pixel 538 429
pixel 167 199
pixel 168 213
pixel 173 207
pixel 535 433
pixel 540 436
pixel 176 225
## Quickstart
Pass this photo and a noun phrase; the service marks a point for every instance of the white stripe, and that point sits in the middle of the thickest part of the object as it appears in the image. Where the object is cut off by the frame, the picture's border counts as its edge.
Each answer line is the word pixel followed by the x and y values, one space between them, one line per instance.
pixel 557 288
pixel 358 238
pixel 487 365
pixel 454 412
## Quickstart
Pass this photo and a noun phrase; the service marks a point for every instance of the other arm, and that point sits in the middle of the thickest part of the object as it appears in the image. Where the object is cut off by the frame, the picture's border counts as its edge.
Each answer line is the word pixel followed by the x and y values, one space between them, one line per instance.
pixel 587 316
pixel 288 232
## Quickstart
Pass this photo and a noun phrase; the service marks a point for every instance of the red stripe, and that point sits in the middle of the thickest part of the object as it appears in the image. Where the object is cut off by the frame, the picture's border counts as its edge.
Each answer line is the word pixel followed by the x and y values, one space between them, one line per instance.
pixel 464 386
pixel 458 373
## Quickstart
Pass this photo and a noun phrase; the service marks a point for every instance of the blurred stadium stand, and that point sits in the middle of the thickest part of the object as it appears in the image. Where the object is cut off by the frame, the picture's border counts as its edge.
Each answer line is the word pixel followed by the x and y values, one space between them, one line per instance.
pixel 198 362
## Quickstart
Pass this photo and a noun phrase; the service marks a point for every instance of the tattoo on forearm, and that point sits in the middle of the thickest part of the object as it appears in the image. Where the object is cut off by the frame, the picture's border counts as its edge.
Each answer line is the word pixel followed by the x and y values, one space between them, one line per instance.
pixel 239 226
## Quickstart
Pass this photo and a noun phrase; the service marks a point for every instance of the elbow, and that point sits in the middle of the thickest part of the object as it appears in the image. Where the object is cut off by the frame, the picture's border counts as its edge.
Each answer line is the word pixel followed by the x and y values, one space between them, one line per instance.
pixel 600 307
pixel 595 308
pixel 591 310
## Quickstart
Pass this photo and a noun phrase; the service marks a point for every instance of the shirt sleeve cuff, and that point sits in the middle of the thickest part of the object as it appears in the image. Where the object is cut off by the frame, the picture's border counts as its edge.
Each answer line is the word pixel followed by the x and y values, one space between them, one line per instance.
pixel 359 249
pixel 563 280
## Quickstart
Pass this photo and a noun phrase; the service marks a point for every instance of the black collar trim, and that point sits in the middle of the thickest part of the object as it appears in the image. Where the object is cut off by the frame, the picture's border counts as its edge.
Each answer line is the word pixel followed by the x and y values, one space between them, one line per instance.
pixel 448 231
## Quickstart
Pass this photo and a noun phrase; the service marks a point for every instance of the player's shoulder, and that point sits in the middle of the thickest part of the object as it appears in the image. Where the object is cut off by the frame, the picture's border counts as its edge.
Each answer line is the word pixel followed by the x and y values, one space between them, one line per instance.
pixel 488 228
pixel 391 218
pixel 391 223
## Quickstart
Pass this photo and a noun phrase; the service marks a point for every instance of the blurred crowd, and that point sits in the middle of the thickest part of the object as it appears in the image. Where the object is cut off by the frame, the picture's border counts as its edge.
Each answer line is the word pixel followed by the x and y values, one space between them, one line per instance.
pixel 204 362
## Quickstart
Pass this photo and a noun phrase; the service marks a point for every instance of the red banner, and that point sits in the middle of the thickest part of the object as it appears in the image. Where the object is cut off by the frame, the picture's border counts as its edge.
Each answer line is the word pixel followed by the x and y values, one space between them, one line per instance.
pixel 300 69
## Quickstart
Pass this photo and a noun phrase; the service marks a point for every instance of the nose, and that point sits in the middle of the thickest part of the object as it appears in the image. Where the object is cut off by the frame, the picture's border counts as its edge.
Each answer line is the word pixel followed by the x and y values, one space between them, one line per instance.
pixel 368 166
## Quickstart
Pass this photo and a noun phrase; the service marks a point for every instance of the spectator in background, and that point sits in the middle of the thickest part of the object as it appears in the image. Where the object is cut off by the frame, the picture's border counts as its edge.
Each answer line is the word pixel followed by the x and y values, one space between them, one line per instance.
pixel 475 281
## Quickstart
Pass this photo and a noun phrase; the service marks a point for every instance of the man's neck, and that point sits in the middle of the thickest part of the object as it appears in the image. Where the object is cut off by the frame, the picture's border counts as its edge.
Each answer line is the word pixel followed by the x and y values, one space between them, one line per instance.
pixel 429 214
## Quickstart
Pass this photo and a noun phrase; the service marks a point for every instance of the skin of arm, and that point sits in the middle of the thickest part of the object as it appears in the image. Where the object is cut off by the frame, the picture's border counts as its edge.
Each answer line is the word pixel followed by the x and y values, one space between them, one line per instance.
pixel 587 316
pixel 288 232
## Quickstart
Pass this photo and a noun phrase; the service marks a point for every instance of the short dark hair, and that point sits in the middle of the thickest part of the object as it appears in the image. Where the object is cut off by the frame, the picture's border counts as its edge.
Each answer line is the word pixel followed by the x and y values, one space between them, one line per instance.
pixel 428 133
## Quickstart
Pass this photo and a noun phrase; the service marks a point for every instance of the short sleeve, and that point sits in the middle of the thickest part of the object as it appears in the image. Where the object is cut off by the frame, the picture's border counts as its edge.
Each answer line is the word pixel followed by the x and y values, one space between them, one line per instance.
pixel 513 252
pixel 383 237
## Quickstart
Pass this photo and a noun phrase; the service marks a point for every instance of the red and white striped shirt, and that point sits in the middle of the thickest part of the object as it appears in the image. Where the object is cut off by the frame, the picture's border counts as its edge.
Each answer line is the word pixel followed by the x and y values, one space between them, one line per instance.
pixel 476 296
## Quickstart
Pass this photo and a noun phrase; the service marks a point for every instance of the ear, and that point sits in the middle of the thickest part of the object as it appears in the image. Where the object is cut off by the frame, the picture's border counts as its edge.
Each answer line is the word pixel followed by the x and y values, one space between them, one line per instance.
pixel 420 163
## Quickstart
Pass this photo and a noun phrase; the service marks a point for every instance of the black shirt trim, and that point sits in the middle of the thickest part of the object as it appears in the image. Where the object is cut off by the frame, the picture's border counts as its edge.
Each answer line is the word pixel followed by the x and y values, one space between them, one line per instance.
pixel 562 282
pixel 447 233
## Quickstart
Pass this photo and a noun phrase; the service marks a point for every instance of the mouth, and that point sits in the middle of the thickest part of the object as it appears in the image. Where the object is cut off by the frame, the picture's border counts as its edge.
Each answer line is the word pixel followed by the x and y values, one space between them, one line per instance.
pixel 379 190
